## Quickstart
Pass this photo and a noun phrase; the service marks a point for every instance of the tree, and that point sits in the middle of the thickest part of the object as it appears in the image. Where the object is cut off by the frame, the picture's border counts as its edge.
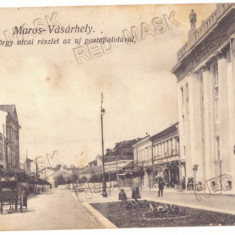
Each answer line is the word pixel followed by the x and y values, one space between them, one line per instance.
pixel 82 180
pixel 109 152
pixel 58 166
pixel 94 179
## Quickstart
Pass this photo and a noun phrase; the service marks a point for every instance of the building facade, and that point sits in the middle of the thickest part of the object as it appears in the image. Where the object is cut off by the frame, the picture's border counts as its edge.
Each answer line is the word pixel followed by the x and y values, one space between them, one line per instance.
pixel 159 156
pixel 9 138
pixel 166 155
pixel 143 159
pixel 2 139
pixel 205 74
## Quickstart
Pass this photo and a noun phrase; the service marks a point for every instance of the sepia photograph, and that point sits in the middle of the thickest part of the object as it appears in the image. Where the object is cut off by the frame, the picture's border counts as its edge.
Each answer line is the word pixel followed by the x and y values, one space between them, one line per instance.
pixel 117 116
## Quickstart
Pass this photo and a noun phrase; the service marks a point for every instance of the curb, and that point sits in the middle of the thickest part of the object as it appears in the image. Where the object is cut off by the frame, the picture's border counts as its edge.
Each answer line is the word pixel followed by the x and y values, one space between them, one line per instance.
pixel 192 206
pixel 103 220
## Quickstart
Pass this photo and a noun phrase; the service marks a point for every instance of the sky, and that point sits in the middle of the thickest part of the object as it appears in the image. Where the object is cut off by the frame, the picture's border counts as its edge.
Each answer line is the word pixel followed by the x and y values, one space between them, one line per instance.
pixel 58 99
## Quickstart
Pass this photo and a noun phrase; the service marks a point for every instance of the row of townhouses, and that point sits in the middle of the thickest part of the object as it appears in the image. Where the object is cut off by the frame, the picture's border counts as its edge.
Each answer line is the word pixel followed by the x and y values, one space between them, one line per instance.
pixel 159 156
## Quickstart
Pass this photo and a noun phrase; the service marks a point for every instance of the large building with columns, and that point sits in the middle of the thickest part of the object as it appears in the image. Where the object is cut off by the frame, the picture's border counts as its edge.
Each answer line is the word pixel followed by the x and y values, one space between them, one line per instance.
pixel 205 73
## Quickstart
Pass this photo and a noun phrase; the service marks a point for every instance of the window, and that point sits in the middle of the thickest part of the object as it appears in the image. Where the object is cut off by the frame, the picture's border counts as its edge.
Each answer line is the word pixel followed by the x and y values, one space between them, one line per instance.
pixel 216 91
pixel 158 150
pixel 167 148
pixel 182 97
pixel 217 146
pixel 215 71
pixel 183 121
pixel 216 109
pixel 186 92
pixel 170 147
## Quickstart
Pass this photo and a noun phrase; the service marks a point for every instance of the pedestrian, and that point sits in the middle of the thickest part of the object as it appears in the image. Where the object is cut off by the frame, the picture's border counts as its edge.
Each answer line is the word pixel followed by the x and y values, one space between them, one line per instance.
pixel 25 194
pixel 190 184
pixel 135 193
pixel 122 195
pixel 183 183
pixel 160 187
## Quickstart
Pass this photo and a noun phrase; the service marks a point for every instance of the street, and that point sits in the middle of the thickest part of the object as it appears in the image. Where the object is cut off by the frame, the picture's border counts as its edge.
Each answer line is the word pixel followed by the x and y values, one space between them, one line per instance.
pixel 55 209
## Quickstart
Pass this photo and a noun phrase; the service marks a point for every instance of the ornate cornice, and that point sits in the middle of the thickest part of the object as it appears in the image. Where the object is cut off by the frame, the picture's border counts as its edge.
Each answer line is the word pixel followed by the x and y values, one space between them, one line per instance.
pixel 221 55
pixel 205 68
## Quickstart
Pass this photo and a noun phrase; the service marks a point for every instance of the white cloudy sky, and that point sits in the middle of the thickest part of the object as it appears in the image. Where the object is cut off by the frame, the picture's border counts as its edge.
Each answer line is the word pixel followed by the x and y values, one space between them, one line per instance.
pixel 58 100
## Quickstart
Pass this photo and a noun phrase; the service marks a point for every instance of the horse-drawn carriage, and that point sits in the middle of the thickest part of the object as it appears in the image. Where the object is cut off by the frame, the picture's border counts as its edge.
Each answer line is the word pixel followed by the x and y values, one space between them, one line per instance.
pixel 14 194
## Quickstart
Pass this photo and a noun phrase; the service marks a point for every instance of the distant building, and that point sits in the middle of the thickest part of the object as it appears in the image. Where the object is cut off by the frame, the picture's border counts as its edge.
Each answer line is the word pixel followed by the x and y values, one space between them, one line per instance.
pixel 98 160
pixel 94 162
pixel 110 167
pixel 52 175
pixel 9 138
pixel 205 73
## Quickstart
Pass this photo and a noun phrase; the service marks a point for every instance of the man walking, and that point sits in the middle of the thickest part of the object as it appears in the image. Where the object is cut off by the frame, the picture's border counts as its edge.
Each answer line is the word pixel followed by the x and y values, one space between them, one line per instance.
pixel 160 187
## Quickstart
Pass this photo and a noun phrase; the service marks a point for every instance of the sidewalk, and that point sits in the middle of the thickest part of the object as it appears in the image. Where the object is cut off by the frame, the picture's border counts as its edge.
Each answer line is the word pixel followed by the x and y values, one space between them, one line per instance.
pixel 217 203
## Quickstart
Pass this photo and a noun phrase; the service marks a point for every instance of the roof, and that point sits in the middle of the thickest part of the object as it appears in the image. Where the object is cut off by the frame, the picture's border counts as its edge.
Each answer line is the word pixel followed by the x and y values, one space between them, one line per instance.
pixel 62 172
pixel 109 167
pixel 10 109
pixel 173 129
pixel 146 138
pixel 3 115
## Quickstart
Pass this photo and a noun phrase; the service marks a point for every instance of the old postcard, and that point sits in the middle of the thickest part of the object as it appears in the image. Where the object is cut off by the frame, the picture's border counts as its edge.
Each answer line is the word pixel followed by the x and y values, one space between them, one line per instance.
pixel 117 116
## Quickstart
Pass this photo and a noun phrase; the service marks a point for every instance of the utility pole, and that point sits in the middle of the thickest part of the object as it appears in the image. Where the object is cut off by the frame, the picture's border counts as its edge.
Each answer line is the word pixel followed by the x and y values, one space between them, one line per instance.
pixel 26 163
pixel 102 110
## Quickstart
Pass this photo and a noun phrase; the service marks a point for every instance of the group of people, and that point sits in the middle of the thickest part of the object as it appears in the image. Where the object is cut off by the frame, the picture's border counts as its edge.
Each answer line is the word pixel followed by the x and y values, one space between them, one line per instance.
pixel 136 193
pixel 190 184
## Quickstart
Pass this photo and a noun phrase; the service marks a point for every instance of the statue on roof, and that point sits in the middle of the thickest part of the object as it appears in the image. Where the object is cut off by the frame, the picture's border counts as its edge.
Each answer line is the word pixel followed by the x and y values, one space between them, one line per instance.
pixel 193 19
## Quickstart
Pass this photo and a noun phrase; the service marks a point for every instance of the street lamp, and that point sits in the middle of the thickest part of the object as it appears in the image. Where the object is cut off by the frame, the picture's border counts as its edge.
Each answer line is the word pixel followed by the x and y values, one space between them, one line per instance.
pixel 102 112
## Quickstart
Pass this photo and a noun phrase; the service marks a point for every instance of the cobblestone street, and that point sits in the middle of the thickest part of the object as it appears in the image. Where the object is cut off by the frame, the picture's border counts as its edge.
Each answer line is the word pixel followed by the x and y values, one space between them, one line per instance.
pixel 55 209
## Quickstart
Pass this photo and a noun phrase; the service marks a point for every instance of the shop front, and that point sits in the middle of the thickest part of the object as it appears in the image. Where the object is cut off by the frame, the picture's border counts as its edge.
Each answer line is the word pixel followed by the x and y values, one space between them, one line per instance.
pixel 169 172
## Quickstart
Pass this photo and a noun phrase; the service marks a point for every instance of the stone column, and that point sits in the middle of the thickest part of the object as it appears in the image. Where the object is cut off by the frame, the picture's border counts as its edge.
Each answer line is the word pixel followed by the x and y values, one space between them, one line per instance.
pixel 231 97
pixel 195 145
pixel 208 160
pixel 224 131
pixel 180 85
